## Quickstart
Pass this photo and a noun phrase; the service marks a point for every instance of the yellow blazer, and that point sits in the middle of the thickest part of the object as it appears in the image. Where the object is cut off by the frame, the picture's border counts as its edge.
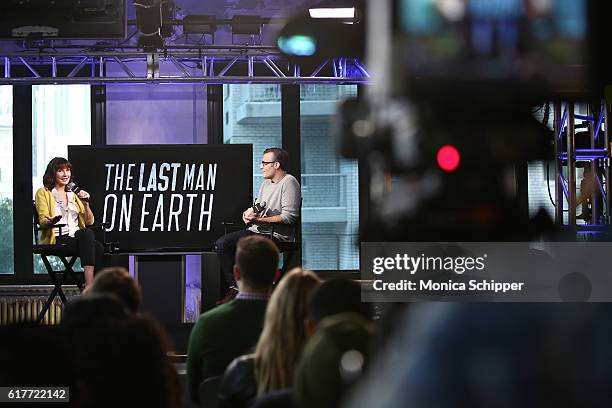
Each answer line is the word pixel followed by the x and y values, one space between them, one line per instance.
pixel 45 206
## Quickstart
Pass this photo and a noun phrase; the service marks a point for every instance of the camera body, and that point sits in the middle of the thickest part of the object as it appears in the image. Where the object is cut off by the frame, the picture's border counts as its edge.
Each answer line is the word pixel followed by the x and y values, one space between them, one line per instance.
pixel 465 74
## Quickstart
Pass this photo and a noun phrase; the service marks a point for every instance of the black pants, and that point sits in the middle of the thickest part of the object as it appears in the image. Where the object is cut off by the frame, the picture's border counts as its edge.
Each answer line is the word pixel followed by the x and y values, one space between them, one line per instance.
pixel 84 245
pixel 226 251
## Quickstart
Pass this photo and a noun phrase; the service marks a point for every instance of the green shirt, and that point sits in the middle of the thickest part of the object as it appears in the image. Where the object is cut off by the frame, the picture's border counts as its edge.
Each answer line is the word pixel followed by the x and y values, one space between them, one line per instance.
pixel 219 336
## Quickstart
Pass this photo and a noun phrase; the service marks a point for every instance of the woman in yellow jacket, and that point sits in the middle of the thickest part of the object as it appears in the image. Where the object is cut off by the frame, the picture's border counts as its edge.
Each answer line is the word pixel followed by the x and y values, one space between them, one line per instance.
pixel 55 205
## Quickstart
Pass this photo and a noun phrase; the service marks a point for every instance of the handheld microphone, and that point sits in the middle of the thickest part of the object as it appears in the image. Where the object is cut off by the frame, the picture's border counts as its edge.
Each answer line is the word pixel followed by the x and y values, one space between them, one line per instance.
pixel 75 189
pixel 72 187
pixel 258 208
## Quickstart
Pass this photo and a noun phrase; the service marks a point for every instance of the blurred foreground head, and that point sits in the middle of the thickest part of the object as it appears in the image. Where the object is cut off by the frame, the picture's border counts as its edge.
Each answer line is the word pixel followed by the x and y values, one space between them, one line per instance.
pixel 118 282
pixel 120 358
pixel 334 358
pixel 337 296
pixel 503 355
pixel 35 355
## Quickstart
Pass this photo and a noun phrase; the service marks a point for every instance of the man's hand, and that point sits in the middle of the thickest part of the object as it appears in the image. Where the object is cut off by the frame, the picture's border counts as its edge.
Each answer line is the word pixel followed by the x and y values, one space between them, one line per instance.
pixel 248 216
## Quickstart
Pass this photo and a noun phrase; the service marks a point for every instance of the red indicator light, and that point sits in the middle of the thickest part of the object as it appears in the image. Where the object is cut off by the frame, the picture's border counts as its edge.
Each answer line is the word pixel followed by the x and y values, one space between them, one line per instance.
pixel 448 158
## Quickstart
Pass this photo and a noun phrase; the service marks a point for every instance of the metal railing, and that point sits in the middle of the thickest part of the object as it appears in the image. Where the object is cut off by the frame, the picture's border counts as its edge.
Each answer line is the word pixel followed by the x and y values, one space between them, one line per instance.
pixel 180 64
pixel 309 92
pixel 316 92
pixel 265 93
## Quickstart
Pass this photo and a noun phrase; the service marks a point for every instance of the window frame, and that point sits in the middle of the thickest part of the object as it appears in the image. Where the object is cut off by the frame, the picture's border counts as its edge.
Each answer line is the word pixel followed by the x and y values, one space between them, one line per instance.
pixel 22 178
pixel 22 163
pixel 291 141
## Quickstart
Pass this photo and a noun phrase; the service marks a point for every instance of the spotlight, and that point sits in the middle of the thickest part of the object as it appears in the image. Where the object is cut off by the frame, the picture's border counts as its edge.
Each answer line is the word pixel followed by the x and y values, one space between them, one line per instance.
pixel 335 12
pixel 167 11
pixel 200 24
pixel 247 25
pixel 328 29
pixel 347 11
pixel 149 22
pixel 306 39
pixel 298 45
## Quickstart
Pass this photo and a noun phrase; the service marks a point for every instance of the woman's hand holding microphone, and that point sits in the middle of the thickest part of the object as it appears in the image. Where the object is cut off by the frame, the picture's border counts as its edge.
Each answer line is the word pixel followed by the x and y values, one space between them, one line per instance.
pixel 83 195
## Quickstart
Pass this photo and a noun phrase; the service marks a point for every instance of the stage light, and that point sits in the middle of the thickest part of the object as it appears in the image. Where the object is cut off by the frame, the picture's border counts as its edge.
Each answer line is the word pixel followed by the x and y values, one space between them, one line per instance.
pixel 448 158
pixel 247 25
pixel 243 24
pixel 199 24
pixel 297 45
pixel 337 12
pixel 149 22
pixel 167 10
pixel 308 40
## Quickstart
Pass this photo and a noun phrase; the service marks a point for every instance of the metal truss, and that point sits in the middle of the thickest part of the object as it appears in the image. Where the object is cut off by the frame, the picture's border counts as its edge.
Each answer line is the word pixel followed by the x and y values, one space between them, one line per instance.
pixel 208 64
pixel 593 155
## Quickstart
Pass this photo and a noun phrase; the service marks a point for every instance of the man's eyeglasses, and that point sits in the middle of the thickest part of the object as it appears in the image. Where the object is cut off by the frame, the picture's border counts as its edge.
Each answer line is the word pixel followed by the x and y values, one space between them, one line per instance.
pixel 263 163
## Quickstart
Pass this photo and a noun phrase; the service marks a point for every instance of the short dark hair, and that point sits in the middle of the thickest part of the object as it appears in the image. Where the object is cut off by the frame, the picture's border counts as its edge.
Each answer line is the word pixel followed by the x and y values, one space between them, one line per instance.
pixel 117 281
pixel 257 257
pixel 280 155
pixel 57 163
pixel 337 296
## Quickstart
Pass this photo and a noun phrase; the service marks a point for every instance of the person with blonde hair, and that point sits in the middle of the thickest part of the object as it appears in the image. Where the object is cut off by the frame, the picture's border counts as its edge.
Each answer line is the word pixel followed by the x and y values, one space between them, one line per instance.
pixel 271 366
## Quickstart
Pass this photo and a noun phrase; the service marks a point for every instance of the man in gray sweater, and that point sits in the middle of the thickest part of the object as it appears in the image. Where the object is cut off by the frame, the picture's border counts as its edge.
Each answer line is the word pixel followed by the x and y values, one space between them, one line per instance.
pixel 275 211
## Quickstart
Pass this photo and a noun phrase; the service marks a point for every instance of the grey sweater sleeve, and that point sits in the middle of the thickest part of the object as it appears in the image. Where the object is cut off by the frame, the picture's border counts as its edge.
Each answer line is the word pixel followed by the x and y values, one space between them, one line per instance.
pixel 291 199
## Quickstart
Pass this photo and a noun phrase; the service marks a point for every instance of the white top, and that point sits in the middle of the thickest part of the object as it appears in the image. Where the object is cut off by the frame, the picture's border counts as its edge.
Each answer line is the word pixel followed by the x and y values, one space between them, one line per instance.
pixel 69 213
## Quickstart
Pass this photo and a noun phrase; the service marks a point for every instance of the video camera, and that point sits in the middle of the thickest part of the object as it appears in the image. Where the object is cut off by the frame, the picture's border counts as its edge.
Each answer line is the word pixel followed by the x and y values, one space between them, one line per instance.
pixel 446 126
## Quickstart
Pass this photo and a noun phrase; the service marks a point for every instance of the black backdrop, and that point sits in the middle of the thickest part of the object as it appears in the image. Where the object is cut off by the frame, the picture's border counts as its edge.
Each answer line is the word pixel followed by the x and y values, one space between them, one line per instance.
pixel 165 197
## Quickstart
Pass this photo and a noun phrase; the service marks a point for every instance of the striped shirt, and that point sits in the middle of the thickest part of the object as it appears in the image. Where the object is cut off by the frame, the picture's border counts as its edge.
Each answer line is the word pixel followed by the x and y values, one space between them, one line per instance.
pixel 252 296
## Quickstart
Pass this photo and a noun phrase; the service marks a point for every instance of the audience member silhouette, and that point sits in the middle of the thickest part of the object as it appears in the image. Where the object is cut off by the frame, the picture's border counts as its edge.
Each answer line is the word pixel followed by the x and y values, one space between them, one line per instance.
pixel 33 355
pixel 332 297
pixel 232 329
pixel 494 355
pixel 271 366
pixel 120 358
pixel 334 358
pixel 118 282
